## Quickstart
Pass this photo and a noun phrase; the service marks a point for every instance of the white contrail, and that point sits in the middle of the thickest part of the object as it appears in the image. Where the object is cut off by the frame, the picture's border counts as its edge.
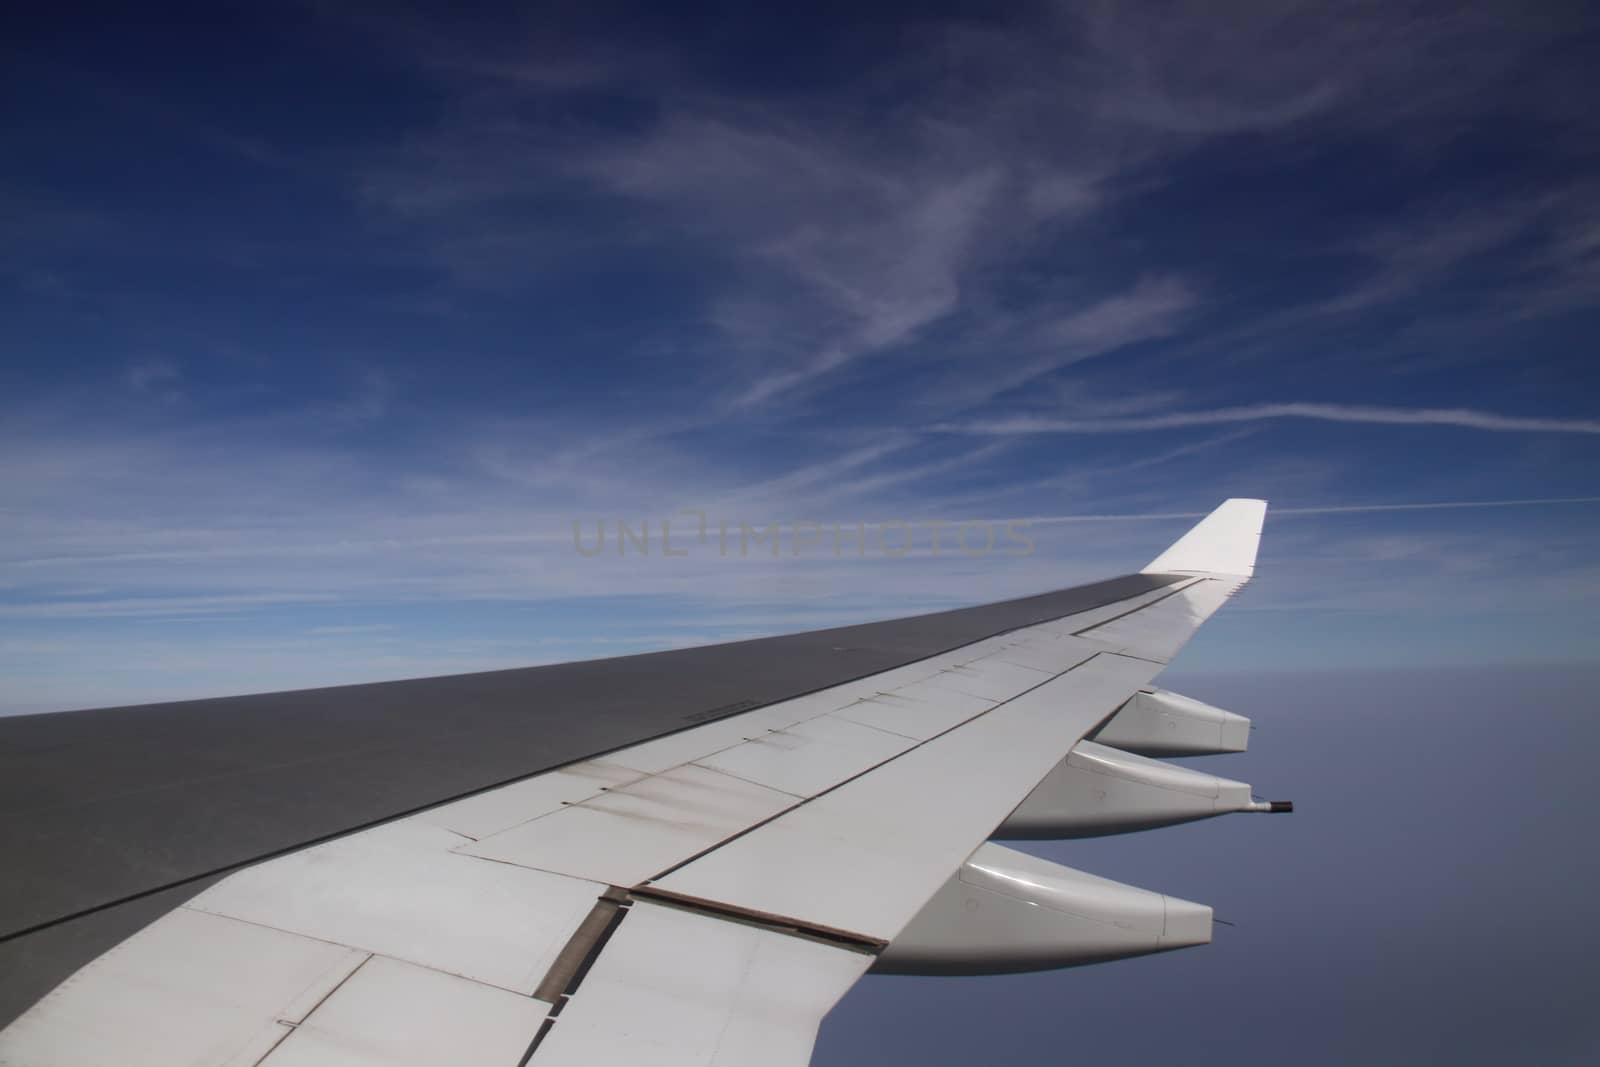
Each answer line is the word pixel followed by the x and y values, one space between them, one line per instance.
pixel 1438 505
pixel 1331 509
pixel 1461 417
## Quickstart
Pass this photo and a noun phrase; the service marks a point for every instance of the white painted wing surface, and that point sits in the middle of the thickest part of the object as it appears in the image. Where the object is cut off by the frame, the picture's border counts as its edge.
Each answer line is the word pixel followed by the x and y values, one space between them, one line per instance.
pixel 703 898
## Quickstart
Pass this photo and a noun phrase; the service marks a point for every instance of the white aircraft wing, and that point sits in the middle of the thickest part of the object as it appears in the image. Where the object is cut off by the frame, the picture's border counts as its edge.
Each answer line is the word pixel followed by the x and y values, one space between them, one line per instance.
pixel 706 896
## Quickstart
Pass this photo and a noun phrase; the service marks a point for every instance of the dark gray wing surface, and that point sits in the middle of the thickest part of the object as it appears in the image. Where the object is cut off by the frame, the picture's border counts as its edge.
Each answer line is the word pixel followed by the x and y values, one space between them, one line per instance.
pixel 113 816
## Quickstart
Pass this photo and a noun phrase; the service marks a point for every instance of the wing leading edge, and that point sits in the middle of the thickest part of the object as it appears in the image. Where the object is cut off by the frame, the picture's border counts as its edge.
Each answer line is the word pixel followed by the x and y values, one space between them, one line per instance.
pixel 706 897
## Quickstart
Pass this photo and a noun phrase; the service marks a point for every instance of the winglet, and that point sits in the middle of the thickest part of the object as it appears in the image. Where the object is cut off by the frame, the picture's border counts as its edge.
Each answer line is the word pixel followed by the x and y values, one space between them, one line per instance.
pixel 1224 542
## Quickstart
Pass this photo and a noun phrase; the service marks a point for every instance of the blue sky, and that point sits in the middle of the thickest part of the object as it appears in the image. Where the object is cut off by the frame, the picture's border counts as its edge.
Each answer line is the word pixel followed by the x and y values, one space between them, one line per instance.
pixel 321 326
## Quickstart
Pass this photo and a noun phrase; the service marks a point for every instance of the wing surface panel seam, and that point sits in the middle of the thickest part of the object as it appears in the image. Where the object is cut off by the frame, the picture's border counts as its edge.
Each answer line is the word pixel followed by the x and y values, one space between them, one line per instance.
pixel 881 763
pixel 1147 604
pixel 576 958
pixel 229 868
pixel 782 924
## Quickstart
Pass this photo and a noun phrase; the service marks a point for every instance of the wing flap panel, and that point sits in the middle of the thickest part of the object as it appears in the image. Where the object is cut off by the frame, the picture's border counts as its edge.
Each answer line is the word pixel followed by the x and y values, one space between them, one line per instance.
pixel 500 809
pixel 1044 652
pixel 902 829
pixel 399 891
pixel 155 1000
pixel 1159 631
pixel 674 988
pixel 990 678
pixel 392 1014
pixel 918 718
pixel 624 836
pixel 810 756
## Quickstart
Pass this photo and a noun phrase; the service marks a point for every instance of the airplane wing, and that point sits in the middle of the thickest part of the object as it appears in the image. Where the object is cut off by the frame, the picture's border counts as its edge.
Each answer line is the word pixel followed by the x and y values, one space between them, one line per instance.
pixel 677 858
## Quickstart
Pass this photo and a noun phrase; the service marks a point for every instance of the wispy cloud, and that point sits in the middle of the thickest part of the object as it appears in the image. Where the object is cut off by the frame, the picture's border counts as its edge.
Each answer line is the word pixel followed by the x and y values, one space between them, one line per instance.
pixel 152 375
pixel 1458 417
pixel 1055 338
pixel 148 607
pixel 850 248
pixel 1326 509
pixel 826 245
pixel 1437 505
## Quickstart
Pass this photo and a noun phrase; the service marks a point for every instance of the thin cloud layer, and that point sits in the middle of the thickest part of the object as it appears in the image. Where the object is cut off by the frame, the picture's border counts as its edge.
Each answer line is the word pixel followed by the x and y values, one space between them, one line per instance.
pixel 1460 417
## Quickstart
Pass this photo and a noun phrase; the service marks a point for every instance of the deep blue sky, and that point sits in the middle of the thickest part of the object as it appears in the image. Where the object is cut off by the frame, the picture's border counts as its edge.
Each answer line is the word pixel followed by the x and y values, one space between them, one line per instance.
pixel 321 325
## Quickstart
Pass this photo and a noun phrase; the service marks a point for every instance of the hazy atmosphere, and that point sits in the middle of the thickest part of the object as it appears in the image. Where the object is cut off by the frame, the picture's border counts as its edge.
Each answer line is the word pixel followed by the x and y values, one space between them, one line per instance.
pixel 353 342
pixel 1425 903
